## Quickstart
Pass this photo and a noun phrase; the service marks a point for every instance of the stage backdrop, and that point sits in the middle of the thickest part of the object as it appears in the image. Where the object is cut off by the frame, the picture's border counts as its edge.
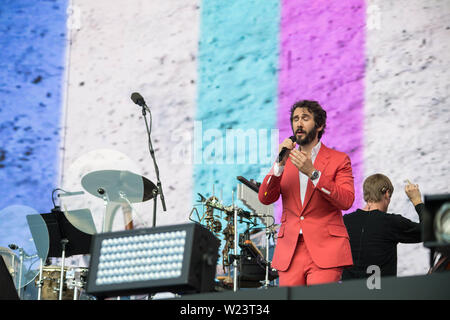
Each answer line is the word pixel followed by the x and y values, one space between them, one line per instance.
pixel 219 78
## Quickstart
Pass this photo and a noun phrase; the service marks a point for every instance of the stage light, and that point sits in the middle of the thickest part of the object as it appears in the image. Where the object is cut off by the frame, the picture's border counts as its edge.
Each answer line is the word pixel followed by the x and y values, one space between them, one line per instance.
pixel 442 223
pixel 178 258
pixel 436 223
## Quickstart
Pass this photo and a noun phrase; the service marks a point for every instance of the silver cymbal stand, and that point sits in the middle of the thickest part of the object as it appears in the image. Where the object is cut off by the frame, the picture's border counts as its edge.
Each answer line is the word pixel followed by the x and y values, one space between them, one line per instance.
pixel 235 260
pixel 22 256
pixel 40 279
pixel 63 259
pixel 268 234
pixel 102 192
pixel 19 286
pixel 75 281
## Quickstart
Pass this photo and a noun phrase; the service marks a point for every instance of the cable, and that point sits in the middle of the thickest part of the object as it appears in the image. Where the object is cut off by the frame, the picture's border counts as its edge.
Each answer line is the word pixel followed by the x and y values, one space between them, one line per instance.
pixel 53 195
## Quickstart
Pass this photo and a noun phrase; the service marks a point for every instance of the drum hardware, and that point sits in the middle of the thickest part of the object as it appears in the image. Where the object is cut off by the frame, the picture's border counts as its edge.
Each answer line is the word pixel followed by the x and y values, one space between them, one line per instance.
pixel 51 287
pixel 110 185
pixel 253 264
pixel 228 233
pixel 212 224
pixel 23 255
pixel 76 280
pixel 254 268
pixel 119 186
pixel 41 263
pixel 248 194
pixel 235 256
pixel 215 225
pixel 214 203
pixel 64 241
pixel 270 232
pixel 50 284
pixel 233 216
pixel 63 259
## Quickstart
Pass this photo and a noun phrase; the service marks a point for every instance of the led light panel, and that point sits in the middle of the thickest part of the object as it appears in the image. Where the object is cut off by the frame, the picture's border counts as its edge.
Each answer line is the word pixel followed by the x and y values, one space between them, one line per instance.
pixel 179 258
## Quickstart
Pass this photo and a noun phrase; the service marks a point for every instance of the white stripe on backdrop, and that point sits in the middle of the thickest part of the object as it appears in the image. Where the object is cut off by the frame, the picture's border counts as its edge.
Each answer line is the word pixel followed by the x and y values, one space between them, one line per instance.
pixel 406 109
pixel 120 47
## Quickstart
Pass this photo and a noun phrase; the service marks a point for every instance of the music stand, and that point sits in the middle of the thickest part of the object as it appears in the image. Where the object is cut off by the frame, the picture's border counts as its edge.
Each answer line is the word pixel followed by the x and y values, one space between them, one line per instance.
pixel 65 239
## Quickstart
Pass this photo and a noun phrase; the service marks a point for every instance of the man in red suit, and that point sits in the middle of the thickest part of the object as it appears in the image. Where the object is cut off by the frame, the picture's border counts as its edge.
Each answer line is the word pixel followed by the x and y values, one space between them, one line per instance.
pixel 315 183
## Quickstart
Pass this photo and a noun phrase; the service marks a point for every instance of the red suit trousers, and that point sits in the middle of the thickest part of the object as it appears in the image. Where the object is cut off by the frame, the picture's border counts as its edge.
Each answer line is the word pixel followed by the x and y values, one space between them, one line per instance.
pixel 303 271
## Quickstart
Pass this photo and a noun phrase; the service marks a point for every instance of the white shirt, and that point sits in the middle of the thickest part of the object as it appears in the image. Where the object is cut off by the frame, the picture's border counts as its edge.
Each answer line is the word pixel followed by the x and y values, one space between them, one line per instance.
pixel 278 170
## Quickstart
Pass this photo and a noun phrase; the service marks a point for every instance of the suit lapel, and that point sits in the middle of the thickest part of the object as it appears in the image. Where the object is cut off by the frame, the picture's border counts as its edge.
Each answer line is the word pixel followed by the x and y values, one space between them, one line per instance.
pixel 320 164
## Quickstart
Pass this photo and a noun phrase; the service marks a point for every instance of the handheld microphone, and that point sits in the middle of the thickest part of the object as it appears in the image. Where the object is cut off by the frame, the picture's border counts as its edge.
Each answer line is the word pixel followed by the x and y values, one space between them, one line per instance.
pixel 284 150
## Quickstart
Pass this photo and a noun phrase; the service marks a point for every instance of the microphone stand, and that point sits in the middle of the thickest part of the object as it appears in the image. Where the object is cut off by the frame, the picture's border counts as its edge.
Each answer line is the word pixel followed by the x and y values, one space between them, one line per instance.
pixel 152 153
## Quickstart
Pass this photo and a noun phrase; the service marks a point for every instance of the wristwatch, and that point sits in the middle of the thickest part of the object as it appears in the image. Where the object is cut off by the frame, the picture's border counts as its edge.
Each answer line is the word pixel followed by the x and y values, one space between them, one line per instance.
pixel 314 175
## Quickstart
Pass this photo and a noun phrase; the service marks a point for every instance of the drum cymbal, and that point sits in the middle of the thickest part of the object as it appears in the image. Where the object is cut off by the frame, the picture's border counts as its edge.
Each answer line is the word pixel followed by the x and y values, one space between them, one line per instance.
pixel 256 230
pixel 114 183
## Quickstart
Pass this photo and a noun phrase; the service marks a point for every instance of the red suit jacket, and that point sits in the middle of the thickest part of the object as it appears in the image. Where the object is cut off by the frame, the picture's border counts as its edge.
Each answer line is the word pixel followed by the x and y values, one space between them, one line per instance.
pixel 320 217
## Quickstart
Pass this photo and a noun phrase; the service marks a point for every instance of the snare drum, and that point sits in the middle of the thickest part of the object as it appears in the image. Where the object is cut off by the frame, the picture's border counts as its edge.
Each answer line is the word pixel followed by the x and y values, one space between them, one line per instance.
pixel 51 276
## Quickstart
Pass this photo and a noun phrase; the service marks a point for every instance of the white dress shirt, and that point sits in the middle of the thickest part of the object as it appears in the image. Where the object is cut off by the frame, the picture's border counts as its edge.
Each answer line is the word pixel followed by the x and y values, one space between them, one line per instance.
pixel 278 170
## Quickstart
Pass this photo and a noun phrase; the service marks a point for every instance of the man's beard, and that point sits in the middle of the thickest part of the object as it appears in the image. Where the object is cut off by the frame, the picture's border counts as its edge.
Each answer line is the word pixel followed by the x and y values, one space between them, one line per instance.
pixel 310 136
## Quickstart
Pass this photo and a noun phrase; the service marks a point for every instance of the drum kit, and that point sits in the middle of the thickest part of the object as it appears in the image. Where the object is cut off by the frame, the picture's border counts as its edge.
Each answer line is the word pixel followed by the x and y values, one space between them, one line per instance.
pixel 251 268
pixel 49 284
pixel 61 282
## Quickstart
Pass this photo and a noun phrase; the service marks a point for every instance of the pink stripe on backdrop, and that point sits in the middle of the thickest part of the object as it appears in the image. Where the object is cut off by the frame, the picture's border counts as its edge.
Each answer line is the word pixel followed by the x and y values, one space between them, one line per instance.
pixel 322 58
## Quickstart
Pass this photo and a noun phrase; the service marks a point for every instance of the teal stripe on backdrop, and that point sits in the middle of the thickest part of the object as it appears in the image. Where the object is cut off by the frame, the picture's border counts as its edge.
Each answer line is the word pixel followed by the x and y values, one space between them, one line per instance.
pixel 237 94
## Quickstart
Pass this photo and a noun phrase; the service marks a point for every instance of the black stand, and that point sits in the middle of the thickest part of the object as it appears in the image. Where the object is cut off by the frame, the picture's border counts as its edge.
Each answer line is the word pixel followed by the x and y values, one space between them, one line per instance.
pixel 60 229
pixel 64 239
pixel 152 153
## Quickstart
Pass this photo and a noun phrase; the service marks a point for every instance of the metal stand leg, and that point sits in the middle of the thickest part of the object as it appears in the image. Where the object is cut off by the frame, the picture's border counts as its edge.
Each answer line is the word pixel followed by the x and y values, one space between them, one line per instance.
pixel 63 257
pixel 266 282
pixel 75 293
pixel 19 286
pixel 105 215
pixel 235 260
pixel 155 193
pixel 40 280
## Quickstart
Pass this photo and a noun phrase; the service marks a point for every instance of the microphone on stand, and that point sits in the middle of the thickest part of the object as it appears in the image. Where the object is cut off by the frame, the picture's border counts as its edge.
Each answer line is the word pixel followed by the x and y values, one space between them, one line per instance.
pixel 139 100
